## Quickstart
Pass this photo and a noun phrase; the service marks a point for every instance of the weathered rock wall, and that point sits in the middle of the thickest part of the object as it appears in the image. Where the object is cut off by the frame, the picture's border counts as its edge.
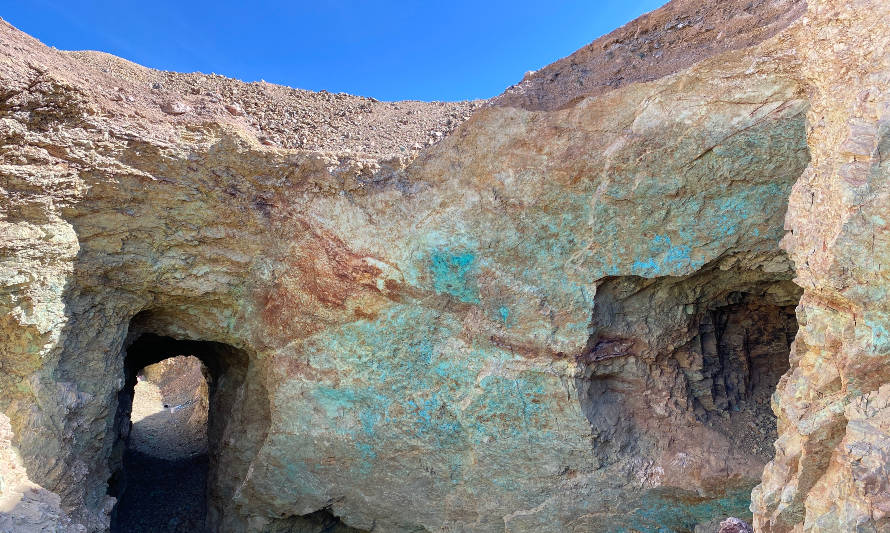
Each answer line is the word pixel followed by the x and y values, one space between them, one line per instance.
pixel 831 467
pixel 560 316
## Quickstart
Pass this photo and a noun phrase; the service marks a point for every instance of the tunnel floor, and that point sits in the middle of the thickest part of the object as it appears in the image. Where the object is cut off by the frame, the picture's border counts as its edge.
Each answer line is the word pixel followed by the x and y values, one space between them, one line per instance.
pixel 168 497
pixel 165 463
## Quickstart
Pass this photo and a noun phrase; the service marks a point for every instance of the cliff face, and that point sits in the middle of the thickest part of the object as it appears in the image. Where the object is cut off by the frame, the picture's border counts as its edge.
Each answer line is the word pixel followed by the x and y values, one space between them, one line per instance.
pixel 831 467
pixel 564 309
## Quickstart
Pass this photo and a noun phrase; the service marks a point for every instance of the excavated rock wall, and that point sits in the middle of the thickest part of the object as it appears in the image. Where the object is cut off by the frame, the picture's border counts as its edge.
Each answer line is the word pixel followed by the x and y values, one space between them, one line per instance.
pixel 562 313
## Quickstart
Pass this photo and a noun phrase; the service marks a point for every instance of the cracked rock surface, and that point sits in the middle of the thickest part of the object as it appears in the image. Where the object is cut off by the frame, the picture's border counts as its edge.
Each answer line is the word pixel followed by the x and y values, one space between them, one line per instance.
pixel 564 309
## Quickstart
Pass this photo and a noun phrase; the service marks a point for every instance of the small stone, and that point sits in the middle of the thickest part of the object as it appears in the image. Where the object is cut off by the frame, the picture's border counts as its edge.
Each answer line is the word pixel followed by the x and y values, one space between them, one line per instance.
pixel 235 109
pixel 157 86
pixel 734 525
pixel 175 108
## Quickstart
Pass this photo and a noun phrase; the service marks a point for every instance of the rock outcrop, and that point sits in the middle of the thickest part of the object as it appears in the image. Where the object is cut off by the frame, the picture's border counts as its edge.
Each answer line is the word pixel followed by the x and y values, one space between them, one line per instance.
pixel 831 467
pixel 565 309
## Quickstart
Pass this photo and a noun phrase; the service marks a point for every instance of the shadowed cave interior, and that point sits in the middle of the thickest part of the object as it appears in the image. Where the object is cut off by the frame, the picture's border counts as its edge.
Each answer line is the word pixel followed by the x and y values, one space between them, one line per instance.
pixel 679 366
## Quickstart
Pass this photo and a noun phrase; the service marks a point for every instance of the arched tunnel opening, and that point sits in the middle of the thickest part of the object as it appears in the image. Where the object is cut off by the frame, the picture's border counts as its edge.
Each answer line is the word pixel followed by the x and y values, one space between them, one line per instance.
pixel 172 413
pixel 191 417
pixel 165 459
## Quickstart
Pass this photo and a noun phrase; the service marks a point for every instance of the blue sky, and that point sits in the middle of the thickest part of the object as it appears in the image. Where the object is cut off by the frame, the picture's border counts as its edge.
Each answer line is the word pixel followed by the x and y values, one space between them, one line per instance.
pixel 386 49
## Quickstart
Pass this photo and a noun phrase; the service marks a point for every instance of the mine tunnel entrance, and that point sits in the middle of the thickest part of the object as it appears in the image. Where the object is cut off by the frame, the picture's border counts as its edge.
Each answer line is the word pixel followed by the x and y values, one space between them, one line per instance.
pixel 708 349
pixel 171 415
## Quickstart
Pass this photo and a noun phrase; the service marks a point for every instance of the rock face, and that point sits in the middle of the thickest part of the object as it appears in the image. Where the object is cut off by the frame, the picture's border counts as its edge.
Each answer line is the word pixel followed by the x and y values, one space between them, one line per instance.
pixel 561 310
pixel 831 467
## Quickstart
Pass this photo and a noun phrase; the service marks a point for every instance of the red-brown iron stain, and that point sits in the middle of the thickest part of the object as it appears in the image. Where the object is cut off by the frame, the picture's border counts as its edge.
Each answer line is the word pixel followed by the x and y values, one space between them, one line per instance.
pixel 331 272
pixel 323 274
pixel 525 349
pixel 365 315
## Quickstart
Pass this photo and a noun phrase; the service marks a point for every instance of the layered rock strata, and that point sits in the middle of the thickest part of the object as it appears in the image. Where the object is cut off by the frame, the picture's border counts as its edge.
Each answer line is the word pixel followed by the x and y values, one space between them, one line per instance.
pixel 563 312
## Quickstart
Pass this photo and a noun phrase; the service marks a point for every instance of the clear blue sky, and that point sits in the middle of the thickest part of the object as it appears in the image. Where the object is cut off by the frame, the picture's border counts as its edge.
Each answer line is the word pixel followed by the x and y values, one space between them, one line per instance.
pixel 391 50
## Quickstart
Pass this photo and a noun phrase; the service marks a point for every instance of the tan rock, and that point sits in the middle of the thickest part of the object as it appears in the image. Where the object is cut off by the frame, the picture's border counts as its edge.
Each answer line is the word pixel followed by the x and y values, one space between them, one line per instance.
pixel 175 108
pixel 564 309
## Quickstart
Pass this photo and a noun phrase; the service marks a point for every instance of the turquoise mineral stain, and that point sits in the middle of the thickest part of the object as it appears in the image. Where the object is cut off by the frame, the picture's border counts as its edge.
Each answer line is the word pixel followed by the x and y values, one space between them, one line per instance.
pixel 368 457
pixel 369 419
pixel 405 380
pixel 667 258
pixel 880 336
pixel 661 510
pixel 453 275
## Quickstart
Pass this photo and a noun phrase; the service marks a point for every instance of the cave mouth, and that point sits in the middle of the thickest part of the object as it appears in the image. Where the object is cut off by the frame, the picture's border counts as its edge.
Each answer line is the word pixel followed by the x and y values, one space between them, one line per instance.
pixel 678 376
pixel 703 350
pixel 171 415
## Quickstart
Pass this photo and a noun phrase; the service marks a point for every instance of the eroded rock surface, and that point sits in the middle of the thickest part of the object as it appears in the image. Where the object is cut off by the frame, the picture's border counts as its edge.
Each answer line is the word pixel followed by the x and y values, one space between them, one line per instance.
pixel 562 312
pixel 831 470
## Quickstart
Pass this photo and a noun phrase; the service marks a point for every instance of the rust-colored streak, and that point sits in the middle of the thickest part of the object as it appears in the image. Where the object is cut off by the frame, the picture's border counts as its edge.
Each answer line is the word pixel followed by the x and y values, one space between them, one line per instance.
pixel 329 271
pixel 322 274
pixel 365 315
pixel 525 349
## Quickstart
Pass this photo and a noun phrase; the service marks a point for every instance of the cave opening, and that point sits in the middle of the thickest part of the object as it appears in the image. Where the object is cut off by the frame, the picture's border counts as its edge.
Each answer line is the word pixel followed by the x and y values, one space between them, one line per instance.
pixel 171 416
pixel 678 378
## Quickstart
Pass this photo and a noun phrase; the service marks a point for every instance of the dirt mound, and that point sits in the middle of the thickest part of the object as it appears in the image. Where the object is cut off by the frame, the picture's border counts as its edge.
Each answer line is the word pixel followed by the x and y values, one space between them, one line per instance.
pixel 288 117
